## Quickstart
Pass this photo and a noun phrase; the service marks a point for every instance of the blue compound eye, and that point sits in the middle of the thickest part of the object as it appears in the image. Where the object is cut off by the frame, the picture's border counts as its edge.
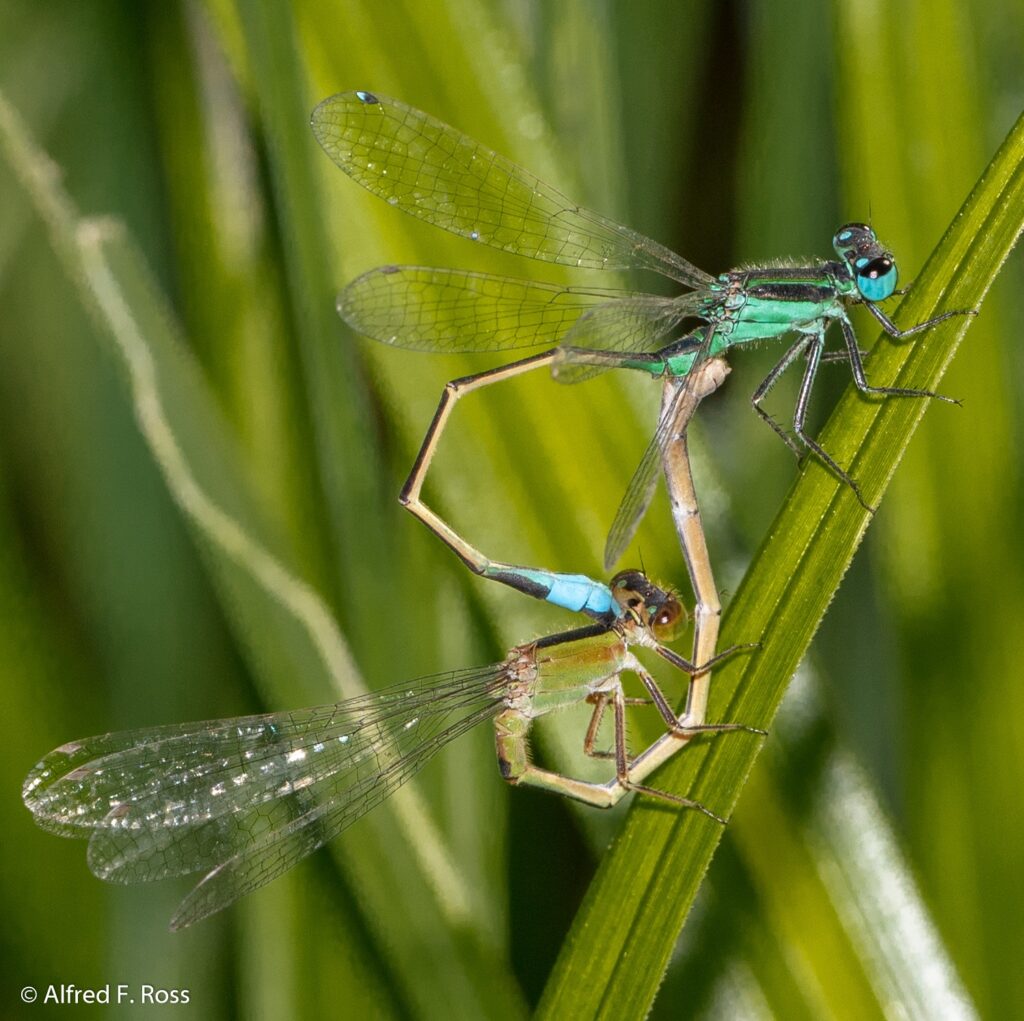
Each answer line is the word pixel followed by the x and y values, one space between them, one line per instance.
pixel 876 278
pixel 666 618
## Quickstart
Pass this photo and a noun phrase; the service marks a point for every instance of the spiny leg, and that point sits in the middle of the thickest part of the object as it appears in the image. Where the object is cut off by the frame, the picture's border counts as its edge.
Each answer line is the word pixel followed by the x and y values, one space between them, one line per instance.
pixel 599 700
pixel 668 745
pixel 841 356
pixel 621 755
pixel 800 417
pixel 680 728
pixel 685 725
pixel 768 382
pixel 860 379
pixel 894 331
pixel 630 774
pixel 675 799
pixel 661 703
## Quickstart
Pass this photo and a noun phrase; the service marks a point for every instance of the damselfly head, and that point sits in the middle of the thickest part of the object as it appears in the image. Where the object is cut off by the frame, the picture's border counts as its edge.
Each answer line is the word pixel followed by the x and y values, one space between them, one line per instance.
pixel 655 608
pixel 872 265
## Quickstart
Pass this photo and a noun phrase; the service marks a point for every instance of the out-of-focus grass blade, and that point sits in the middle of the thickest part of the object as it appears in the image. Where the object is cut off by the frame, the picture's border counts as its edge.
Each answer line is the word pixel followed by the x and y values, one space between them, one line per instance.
pixel 832 890
pixel 334 384
pixel 30 658
pixel 878 901
pixel 282 623
pixel 947 557
pixel 614 959
pixel 811 904
pixel 338 966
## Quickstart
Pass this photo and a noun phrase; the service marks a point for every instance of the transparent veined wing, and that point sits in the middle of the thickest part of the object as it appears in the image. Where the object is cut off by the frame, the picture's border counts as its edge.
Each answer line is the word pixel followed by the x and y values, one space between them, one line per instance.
pixel 638 324
pixel 419 308
pixel 634 504
pixel 214 796
pixel 279 849
pixel 429 169
pixel 696 385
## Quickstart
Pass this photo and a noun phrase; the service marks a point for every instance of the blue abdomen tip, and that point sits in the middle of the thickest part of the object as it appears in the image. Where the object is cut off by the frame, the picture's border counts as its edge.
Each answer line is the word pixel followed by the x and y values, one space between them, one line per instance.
pixel 367 97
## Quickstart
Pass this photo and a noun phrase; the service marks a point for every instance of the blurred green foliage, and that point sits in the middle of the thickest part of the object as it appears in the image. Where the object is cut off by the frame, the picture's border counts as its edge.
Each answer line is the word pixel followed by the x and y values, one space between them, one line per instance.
pixel 876 861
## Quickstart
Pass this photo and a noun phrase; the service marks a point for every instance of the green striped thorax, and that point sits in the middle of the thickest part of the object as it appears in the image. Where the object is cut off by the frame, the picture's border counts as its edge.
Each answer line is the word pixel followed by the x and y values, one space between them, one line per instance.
pixel 760 303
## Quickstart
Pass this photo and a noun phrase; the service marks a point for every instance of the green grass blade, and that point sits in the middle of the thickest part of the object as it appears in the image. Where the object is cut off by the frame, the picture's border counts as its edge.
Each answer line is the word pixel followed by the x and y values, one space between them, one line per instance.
pixel 615 957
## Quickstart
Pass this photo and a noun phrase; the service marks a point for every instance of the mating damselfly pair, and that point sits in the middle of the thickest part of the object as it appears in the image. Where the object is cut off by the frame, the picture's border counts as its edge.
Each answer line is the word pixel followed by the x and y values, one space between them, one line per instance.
pixel 245 799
